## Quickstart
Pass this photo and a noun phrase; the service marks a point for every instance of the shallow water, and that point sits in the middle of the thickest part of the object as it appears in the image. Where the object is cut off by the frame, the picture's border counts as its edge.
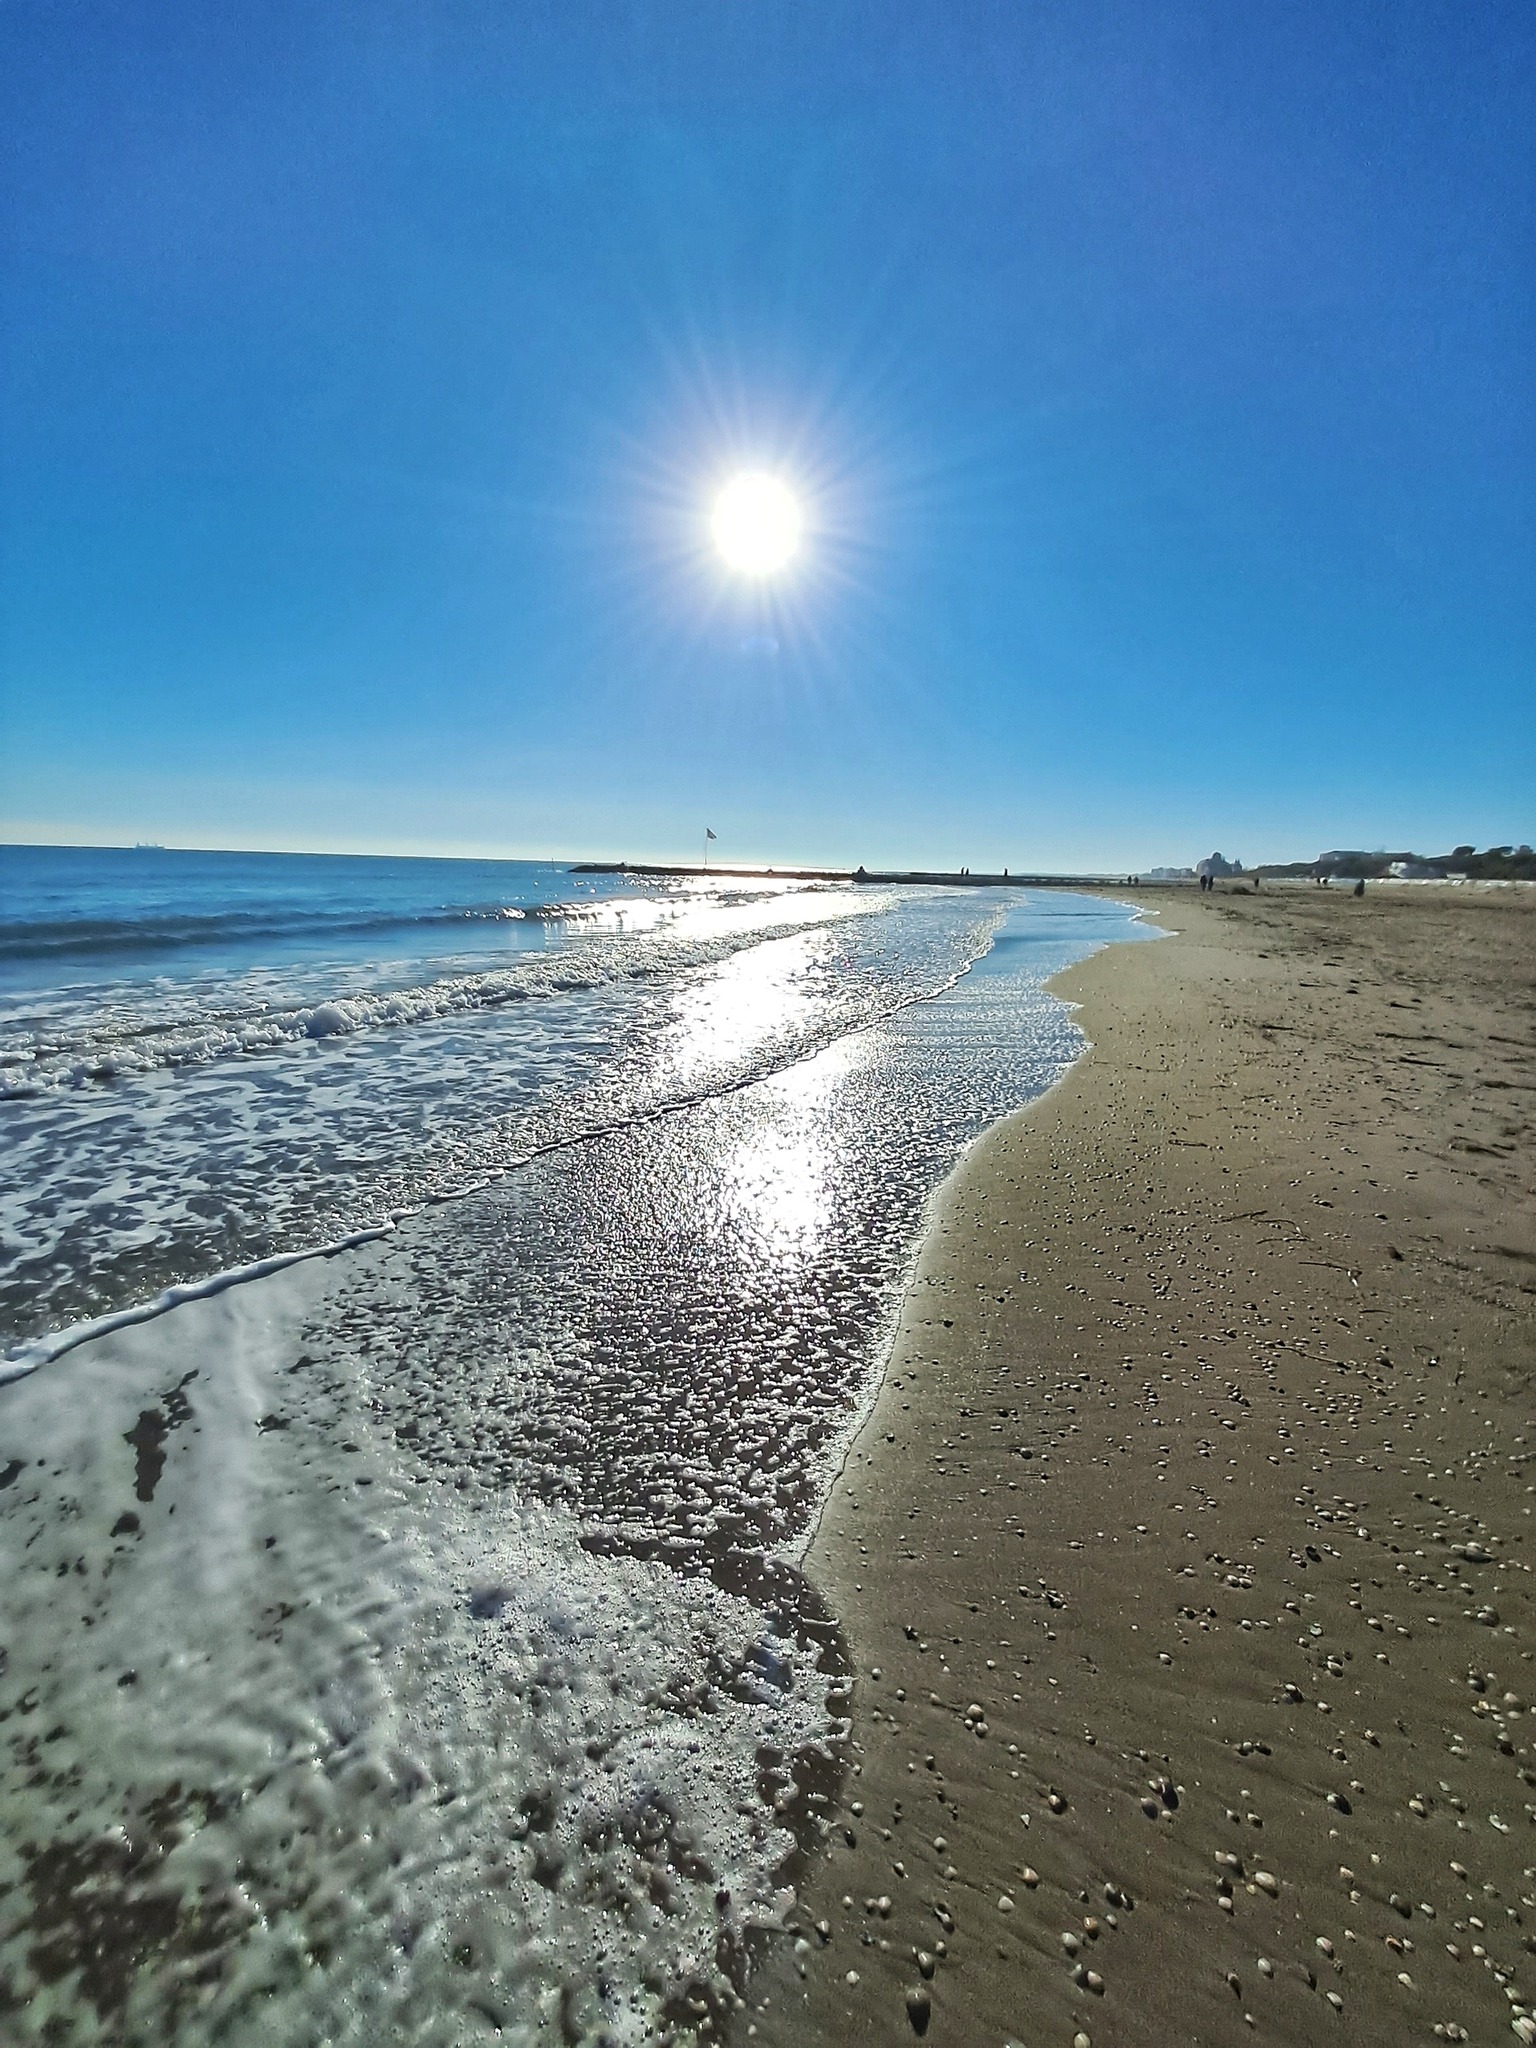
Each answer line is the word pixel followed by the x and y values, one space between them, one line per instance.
pixel 173 1105
pixel 410 1645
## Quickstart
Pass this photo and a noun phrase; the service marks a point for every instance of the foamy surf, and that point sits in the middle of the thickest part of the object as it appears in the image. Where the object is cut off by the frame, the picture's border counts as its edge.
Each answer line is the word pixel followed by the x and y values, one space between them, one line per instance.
pixel 70 1041
pixel 418 1628
pixel 289 1124
pixel 25 1358
pixel 331 1756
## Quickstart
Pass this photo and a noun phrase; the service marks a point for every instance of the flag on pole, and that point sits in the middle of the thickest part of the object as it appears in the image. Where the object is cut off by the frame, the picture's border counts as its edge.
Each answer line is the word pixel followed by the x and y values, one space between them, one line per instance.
pixel 707 833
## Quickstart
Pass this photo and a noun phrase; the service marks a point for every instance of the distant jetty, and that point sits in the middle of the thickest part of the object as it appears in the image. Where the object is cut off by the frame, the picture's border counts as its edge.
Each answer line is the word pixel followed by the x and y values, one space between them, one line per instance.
pixel 969 879
pixel 637 867
pixel 961 879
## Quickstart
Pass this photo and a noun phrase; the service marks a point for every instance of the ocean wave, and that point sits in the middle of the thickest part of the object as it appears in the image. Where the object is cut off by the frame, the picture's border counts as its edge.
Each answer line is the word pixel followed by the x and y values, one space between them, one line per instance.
pixel 125 1040
pixel 54 939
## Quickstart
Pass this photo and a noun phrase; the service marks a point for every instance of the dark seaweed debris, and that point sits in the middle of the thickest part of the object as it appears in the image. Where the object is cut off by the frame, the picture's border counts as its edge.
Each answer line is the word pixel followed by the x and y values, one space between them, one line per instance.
pixel 148 1435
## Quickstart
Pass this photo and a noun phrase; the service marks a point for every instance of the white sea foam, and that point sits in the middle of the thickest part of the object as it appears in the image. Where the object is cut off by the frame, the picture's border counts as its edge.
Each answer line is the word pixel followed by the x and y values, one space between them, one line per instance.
pixel 66 1042
pixel 413 1626
pixel 373 1760
pixel 411 1093
pixel 27 1357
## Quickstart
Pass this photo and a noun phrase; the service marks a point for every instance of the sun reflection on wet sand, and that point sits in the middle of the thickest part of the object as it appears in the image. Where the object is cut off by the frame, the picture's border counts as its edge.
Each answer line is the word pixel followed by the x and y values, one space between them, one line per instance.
pixel 781 1182
pixel 749 1001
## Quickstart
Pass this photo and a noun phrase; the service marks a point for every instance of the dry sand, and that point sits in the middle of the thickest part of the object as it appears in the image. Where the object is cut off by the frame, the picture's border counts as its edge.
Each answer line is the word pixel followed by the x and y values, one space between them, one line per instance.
pixel 1186 1558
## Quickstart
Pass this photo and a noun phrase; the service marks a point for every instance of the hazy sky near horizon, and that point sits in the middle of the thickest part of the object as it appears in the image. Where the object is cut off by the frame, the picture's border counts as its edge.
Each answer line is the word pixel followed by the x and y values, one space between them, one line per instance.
pixel 1155 380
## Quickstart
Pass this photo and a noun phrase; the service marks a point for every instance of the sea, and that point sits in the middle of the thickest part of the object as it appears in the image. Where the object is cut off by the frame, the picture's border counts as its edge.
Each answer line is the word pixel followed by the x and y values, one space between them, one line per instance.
pixel 436 1297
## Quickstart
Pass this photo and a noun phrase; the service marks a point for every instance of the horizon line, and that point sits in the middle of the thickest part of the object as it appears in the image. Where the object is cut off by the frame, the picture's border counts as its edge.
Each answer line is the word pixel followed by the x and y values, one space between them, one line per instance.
pixel 691 864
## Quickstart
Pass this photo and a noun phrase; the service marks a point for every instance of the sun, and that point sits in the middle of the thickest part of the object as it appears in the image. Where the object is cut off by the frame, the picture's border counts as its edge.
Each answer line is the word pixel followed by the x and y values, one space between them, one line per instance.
pixel 756 524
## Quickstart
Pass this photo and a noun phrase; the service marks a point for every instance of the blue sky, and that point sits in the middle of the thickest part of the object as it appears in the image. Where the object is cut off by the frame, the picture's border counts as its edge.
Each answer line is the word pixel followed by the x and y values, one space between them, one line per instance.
pixel 1155 378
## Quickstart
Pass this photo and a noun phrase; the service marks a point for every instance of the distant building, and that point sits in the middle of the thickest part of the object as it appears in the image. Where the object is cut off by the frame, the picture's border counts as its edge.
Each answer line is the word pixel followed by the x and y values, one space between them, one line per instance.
pixel 1170 874
pixel 1414 871
pixel 1216 866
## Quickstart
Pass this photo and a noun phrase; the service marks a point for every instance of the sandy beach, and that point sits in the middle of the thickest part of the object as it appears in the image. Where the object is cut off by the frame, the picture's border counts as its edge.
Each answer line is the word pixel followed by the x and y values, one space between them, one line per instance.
pixel 1185 1558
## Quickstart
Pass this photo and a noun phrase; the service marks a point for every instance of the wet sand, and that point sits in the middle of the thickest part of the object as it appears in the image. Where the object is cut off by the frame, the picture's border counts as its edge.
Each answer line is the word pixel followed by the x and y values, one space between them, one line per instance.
pixel 1185 1559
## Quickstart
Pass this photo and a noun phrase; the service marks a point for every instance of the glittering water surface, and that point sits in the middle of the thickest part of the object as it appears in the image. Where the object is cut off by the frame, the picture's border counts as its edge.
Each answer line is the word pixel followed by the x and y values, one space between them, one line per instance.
pixel 409 1646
